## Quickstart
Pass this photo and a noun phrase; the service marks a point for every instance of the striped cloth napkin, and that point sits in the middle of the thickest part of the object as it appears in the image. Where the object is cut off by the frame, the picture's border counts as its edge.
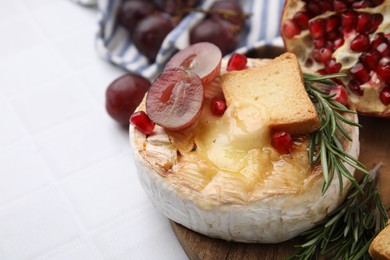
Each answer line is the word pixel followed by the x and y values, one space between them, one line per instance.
pixel 113 43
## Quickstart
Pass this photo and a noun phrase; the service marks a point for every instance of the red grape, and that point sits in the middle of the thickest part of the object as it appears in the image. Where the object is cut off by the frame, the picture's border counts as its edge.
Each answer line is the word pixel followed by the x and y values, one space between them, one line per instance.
pixel 203 58
pixel 218 32
pixel 123 96
pixel 175 7
pixel 131 12
pixel 175 99
pixel 151 32
pixel 228 10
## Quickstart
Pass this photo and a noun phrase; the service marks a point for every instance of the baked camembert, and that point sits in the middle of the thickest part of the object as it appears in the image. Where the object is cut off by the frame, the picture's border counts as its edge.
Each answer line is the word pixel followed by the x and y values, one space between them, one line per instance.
pixel 222 178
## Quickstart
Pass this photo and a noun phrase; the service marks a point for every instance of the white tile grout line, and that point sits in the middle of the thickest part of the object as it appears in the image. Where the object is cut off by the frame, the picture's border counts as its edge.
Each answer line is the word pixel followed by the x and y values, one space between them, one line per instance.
pixel 84 231
pixel 56 183
pixel 61 180
pixel 30 136
pixel 64 244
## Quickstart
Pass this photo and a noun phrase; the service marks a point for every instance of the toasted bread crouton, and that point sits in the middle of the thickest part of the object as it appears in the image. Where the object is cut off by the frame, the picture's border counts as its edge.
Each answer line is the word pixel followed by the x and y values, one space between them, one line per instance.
pixel 278 86
pixel 380 246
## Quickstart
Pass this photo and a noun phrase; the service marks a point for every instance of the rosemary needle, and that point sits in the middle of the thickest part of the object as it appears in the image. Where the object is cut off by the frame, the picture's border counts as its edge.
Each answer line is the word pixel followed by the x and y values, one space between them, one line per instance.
pixel 349 229
pixel 330 154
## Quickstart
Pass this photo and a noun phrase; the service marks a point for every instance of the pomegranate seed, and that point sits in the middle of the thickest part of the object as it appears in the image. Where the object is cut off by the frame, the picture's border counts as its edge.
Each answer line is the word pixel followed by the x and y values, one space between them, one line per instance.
pixel 302 20
pixel 360 43
pixel 218 106
pixel 383 49
pixel 319 43
pixel 361 4
pixel 332 23
pixel 317 28
pixel 332 36
pixel 332 66
pixel 340 94
pixel 376 20
pixel 321 71
pixel 378 39
pixel 309 62
pixel 322 55
pixel 329 45
pixel 325 55
pixel 313 8
pixel 282 141
pixel 348 20
pixel 363 22
pixel 142 121
pixel 370 59
pixel 339 6
pixel 359 73
pixel 325 6
pixel 385 96
pixel 338 43
pixel 290 29
pixel 236 62
pixel 354 86
pixel 383 69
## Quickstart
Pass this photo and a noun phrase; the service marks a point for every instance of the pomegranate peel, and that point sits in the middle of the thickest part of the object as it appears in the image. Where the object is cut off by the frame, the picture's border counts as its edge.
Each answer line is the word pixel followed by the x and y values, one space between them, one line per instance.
pixel 341 36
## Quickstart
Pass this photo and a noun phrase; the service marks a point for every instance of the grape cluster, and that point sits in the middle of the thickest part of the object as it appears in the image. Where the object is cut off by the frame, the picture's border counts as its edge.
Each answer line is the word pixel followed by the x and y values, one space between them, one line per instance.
pixel 222 26
pixel 149 21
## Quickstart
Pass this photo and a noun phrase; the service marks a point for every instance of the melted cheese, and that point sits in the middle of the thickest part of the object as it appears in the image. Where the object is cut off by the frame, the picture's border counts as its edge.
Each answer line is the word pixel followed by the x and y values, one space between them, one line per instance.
pixel 226 140
pixel 234 161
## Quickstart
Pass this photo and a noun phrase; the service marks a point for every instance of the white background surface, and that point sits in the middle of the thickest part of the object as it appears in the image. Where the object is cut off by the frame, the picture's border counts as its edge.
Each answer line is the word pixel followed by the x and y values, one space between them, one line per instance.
pixel 68 186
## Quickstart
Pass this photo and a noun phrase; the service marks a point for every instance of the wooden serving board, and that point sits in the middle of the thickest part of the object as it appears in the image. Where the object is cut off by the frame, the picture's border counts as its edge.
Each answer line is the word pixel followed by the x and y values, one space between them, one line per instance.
pixel 375 148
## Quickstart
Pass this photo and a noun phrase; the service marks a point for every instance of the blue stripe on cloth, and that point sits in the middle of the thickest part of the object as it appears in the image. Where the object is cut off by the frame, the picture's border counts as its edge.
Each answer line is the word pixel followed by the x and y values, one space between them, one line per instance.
pixel 125 48
pixel 110 21
pixel 281 5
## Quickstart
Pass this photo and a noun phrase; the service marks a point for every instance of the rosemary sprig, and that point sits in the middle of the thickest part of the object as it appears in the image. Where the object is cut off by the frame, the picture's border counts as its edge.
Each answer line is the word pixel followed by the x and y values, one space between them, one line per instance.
pixel 349 229
pixel 325 144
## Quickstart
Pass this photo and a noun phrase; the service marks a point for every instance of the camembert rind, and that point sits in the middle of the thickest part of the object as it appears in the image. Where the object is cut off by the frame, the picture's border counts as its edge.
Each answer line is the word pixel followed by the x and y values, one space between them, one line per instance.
pixel 274 219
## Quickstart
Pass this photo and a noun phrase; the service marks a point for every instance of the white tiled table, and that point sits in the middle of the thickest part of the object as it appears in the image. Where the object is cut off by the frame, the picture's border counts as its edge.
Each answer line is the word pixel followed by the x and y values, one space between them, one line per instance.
pixel 68 186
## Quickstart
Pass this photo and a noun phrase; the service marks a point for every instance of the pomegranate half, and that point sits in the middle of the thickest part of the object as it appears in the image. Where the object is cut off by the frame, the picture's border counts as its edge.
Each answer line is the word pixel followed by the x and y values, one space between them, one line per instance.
pixel 347 36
